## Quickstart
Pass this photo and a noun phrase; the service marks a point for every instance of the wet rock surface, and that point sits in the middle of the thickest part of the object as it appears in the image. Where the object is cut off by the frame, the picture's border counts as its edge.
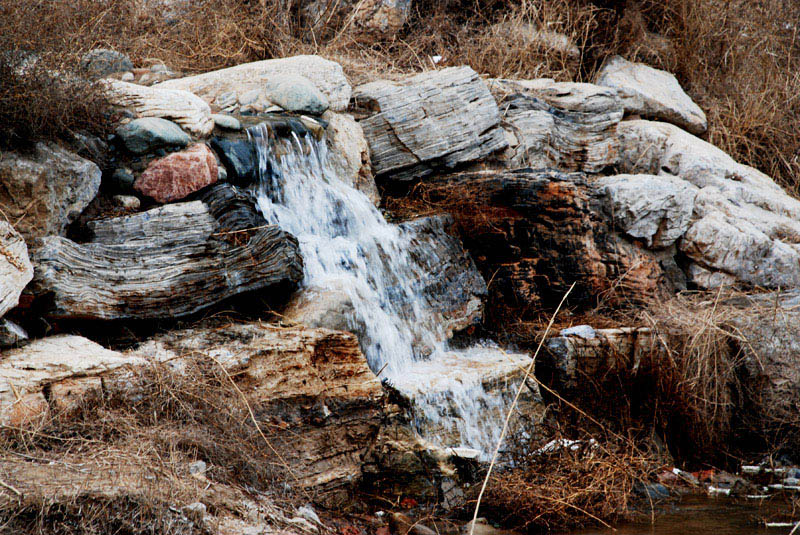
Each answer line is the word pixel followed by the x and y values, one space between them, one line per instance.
pixel 150 133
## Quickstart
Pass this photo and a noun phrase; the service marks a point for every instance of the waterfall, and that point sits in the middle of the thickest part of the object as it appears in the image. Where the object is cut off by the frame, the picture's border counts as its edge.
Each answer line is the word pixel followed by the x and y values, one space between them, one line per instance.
pixel 347 245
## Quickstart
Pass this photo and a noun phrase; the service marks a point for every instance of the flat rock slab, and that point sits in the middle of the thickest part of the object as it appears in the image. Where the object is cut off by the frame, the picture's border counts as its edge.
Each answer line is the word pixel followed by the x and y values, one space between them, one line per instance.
pixel 652 94
pixel 43 191
pixel 437 119
pixel 568 126
pixel 243 85
pixel 744 226
pixel 16 270
pixel 138 264
pixel 192 113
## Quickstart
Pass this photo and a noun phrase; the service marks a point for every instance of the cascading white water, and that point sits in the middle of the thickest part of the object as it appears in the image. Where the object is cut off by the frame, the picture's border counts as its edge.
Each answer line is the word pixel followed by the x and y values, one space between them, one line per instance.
pixel 347 244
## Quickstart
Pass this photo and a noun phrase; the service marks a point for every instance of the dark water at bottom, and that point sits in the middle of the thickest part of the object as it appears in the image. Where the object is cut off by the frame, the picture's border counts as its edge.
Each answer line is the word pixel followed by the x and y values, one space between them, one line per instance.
pixel 705 516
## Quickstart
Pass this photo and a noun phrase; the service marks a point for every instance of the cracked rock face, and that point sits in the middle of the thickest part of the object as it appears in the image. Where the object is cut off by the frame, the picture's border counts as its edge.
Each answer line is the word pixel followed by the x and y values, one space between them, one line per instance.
pixel 16 270
pixel 433 120
pixel 744 227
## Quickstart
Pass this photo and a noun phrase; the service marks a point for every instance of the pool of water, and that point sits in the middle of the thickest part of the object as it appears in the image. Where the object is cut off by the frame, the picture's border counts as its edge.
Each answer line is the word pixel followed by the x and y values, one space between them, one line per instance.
pixel 705 516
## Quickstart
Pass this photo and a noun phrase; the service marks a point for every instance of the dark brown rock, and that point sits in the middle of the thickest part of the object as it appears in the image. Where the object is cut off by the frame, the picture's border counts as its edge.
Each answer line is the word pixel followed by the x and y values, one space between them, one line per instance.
pixel 534 233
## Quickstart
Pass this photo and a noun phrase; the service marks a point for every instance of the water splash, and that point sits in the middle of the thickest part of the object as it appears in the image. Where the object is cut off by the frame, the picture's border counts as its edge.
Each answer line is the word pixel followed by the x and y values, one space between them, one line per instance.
pixel 348 245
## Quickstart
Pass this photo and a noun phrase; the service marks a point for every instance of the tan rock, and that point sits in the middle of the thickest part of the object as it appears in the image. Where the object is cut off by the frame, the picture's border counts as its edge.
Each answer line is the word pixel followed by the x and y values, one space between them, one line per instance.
pixel 350 153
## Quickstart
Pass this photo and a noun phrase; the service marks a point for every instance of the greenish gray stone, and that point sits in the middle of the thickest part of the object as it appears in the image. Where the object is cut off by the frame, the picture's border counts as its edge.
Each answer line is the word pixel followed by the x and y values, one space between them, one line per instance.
pixel 102 62
pixel 296 93
pixel 123 179
pixel 150 133
pixel 228 122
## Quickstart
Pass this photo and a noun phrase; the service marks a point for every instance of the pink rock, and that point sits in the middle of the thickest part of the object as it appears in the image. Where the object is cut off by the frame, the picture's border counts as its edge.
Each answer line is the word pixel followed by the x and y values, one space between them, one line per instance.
pixel 176 175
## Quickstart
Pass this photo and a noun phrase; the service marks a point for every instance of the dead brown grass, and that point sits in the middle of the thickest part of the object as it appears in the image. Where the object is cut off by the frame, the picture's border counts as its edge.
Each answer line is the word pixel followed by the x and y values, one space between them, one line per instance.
pixel 122 458
pixel 739 59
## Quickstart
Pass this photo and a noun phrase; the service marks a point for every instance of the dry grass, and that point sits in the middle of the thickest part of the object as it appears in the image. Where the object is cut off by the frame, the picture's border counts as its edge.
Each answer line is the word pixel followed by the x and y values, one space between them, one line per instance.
pixel 125 457
pixel 740 60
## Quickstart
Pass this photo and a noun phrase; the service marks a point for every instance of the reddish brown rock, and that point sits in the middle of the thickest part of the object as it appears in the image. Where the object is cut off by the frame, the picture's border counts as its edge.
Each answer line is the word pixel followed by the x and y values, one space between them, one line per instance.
pixel 176 175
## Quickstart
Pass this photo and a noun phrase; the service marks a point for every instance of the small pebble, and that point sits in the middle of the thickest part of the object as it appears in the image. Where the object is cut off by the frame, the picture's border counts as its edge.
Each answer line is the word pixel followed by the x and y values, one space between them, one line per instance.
pixel 194 511
pixel 225 121
pixel 127 77
pixel 129 202
pixel 198 467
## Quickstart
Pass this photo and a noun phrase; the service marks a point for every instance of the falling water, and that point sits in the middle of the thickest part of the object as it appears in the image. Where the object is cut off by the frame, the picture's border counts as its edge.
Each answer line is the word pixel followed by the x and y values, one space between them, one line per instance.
pixel 347 245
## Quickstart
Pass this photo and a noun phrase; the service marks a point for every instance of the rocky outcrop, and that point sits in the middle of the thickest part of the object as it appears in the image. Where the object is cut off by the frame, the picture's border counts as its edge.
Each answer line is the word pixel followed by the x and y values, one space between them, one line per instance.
pixel 137 264
pixel 437 119
pixel 44 191
pixel 449 279
pixel 311 389
pixel 533 233
pixel 179 174
pixel 192 113
pixel 316 381
pixel 652 94
pixel 246 85
pixel 744 226
pixel 16 270
pixel 656 209
pixel 567 126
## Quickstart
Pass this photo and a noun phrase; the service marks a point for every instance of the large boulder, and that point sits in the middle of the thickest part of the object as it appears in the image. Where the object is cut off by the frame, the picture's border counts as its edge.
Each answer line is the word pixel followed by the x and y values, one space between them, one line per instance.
pixel 656 209
pixel 568 126
pixel 652 94
pixel 136 265
pixel 247 84
pixel 189 111
pixel 179 174
pixel 437 119
pixel 744 226
pixel 43 191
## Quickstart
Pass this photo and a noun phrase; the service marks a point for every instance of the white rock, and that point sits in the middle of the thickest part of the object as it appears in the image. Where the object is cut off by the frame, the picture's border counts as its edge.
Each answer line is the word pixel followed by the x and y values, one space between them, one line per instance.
pixel 657 209
pixel 586 332
pixel 744 225
pixel 652 93
pixel 327 76
pixel 16 270
pixel 182 107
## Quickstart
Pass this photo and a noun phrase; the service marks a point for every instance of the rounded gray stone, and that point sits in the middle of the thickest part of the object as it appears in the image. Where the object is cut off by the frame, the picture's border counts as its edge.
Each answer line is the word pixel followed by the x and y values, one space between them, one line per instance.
pixel 296 93
pixel 149 133
pixel 228 122
pixel 102 62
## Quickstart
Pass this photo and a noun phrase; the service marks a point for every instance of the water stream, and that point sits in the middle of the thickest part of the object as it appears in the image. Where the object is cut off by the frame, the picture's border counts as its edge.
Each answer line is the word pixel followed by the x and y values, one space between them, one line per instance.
pixel 348 246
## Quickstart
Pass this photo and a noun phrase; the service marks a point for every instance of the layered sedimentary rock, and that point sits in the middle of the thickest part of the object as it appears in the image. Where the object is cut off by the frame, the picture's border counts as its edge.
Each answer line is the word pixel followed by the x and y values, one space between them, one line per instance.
pixel 311 389
pixel 534 233
pixel 652 94
pixel 744 226
pixel 437 119
pixel 137 264
pixel 568 126
pixel 192 113
pixel 246 84
pixel 44 191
